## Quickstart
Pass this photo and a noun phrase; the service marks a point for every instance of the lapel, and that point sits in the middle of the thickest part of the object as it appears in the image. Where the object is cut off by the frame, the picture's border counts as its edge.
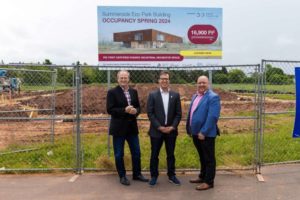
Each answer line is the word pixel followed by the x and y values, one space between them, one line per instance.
pixel 202 100
pixel 131 94
pixel 160 101
pixel 171 96
pixel 191 104
pixel 122 95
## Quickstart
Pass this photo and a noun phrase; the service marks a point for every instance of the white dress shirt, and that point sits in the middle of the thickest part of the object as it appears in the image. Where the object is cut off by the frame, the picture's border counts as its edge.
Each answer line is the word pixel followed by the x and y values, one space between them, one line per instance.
pixel 165 98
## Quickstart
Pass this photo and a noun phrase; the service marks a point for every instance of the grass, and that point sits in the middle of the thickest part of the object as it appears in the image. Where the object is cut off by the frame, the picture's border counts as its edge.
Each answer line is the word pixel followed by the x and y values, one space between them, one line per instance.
pixel 251 87
pixel 279 146
pixel 95 153
pixel 43 87
pixel 282 96
pixel 274 96
pixel 234 150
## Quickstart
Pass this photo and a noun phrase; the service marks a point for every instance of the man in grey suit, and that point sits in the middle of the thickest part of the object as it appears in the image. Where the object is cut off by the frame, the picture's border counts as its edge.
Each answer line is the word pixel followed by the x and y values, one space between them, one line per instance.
pixel 164 113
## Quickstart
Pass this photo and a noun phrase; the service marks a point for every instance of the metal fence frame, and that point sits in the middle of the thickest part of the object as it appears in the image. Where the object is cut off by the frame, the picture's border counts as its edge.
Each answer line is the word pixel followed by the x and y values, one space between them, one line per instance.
pixel 78 118
pixel 264 91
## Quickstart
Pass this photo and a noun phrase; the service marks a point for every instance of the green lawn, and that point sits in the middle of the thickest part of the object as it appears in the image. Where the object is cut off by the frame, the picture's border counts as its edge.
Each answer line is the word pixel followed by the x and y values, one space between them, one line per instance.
pixel 279 146
pixel 251 87
pixel 234 150
pixel 44 87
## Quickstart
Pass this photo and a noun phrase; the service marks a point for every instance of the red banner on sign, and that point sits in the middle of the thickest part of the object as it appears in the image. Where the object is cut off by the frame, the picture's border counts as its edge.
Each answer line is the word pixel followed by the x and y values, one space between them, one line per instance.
pixel 140 57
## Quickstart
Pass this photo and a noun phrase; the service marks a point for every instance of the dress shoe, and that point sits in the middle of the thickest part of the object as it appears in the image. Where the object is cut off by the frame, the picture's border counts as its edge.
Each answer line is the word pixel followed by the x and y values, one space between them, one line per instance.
pixel 140 178
pixel 124 181
pixel 153 181
pixel 197 180
pixel 174 180
pixel 204 186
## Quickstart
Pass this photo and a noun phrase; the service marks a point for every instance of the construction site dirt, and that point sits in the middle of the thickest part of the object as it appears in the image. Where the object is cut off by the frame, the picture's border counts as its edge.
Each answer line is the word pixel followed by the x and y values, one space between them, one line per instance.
pixel 22 111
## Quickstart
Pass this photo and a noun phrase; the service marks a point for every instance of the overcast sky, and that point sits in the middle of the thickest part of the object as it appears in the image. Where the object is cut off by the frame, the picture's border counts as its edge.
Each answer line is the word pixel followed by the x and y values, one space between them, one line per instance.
pixel 65 31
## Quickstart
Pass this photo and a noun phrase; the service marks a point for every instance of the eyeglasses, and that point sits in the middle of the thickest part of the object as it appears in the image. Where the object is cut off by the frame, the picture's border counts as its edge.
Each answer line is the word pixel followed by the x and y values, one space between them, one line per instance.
pixel 164 79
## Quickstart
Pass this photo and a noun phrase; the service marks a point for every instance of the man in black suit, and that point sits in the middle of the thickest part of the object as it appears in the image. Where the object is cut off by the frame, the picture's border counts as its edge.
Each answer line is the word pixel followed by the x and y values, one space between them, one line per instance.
pixel 123 106
pixel 164 113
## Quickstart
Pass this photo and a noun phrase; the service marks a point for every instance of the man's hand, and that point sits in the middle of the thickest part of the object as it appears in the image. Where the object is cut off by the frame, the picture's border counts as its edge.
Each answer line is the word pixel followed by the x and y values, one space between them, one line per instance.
pixel 201 136
pixel 170 129
pixel 163 129
pixel 132 111
pixel 128 108
pixel 166 130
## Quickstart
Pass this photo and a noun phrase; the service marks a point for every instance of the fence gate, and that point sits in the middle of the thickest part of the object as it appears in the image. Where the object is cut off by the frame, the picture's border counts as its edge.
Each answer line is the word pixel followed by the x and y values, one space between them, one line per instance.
pixel 36 118
pixel 277 145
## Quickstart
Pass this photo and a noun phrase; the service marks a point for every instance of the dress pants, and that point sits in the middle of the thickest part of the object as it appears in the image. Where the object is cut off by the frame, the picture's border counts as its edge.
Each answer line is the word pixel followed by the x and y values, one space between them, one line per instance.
pixel 156 144
pixel 206 151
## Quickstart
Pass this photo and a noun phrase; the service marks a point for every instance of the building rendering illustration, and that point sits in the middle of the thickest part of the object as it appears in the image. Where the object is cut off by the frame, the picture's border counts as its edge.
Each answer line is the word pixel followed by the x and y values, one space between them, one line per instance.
pixel 147 38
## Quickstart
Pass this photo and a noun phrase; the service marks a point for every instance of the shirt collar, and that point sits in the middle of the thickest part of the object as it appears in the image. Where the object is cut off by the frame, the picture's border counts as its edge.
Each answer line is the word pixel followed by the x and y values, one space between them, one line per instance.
pixel 124 89
pixel 161 90
pixel 198 94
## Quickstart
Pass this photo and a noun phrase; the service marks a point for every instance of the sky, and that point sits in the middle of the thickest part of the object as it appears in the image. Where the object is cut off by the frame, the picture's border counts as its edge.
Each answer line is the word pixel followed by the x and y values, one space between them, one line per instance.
pixel 65 31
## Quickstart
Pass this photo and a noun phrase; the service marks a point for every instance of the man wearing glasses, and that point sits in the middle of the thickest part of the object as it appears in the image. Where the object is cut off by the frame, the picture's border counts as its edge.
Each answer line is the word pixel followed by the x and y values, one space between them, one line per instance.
pixel 164 113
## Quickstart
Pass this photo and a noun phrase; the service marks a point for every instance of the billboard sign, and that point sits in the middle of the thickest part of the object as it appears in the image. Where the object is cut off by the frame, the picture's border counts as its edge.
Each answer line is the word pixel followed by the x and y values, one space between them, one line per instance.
pixel 155 36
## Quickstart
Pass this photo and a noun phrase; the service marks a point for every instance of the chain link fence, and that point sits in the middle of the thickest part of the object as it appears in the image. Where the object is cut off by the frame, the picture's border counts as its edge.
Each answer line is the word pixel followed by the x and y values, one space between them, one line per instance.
pixel 64 123
pixel 278 146
pixel 34 134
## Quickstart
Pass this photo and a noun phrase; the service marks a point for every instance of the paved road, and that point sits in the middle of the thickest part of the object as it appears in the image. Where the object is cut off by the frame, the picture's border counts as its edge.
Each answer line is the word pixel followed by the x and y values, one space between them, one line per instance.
pixel 281 183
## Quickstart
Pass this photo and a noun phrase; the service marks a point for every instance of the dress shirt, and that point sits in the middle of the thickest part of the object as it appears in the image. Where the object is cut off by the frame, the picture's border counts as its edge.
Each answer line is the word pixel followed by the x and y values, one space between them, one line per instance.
pixel 165 98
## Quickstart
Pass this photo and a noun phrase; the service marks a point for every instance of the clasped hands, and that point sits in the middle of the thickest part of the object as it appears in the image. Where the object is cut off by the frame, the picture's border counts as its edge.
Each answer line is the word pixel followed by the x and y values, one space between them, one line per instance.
pixel 166 129
pixel 130 110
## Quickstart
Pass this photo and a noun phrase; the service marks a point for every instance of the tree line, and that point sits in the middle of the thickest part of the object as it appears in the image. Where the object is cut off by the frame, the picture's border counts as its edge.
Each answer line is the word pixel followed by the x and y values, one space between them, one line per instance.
pixel 92 75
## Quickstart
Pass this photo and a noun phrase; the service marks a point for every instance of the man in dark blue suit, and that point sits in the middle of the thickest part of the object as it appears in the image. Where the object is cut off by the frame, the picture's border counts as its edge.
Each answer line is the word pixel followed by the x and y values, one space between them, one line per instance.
pixel 201 124
pixel 123 106
pixel 164 113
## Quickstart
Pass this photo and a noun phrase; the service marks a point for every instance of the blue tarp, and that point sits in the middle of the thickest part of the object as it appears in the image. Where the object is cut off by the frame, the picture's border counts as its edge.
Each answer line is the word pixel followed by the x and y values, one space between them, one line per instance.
pixel 296 132
pixel 2 73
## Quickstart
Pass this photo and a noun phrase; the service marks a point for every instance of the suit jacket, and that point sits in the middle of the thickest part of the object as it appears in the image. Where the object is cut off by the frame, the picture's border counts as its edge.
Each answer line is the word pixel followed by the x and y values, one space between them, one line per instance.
pixel 122 123
pixel 205 116
pixel 156 113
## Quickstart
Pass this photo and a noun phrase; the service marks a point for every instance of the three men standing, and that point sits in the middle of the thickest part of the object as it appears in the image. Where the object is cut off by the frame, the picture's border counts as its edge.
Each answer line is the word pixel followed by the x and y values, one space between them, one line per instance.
pixel 164 113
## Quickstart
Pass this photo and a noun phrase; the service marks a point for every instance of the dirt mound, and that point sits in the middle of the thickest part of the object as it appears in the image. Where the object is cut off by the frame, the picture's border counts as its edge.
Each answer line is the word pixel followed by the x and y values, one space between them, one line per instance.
pixel 94 100
pixel 13 110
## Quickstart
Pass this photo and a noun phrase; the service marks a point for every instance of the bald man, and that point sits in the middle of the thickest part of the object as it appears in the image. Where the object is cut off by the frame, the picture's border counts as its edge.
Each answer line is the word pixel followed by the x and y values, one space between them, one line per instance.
pixel 201 124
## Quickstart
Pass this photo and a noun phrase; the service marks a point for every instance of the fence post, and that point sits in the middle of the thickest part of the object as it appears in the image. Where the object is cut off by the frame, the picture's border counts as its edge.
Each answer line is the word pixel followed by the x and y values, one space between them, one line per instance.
pixel 259 126
pixel 108 136
pixel 77 119
pixel 53 100
pixel 210 77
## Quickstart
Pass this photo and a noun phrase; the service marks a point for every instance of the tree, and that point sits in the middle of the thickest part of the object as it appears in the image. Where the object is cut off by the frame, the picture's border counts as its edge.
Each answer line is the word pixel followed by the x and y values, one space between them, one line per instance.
pixel 278 79
pixel 272 71
pixel 47 62
pixel 275 75
pixel 65 76
pixel 220 78
pixel 236 76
